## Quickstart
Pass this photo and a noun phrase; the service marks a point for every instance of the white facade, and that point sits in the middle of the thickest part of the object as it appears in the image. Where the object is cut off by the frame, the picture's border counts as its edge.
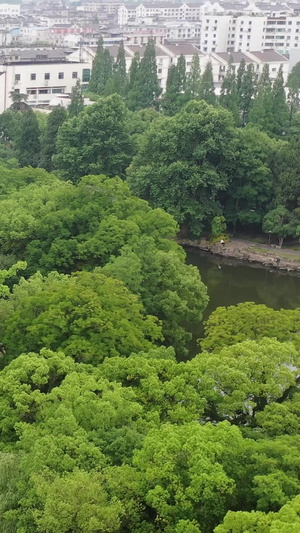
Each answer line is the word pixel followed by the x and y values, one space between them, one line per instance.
pixel 174 11
pixel 248 33
pixel 282 33
pixel 214 33
pixel 182 30
pixel 41 81
pixel 10 10
pixel 232 33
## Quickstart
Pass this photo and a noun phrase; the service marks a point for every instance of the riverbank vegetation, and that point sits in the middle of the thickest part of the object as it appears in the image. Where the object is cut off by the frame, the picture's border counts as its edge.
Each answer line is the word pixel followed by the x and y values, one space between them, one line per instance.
pixel 105 425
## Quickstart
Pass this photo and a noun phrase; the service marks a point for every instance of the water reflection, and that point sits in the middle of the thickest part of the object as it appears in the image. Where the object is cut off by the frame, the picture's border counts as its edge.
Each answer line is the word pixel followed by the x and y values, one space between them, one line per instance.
pixel 230 282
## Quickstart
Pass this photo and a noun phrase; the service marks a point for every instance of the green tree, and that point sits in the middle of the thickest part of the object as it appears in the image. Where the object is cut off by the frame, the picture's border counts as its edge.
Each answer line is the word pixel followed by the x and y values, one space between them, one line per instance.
pixel 9 131
pixel 192 151
pixel 182 295
pixel 144 90
pixel 293 85
pixel 279 222
pixel 19 101
pixel 262 112
pixel 193 80
pixel 184 478
pixel 286 170
pixel 229 94
pixel 296 71
pixel 101 70
pixel 77 101
pixel 241 71
pixel 95 142
pixel 48 141
pixel 27 143
pixel 251 189
pixel 235 324
pixel 207 87
pixel 246 379
pixel 280 108
pixel 246 87
pixel 119 77
pixel 218 227
pixel 176 81
pixel 138 122
pixel 135 63
pixel 87 315
pixel 171 95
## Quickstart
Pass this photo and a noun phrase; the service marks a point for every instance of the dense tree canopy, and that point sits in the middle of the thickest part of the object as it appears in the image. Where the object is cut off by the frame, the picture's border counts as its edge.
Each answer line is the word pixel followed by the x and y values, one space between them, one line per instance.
pixel 95 142
pixel 183 164
pixel 106 425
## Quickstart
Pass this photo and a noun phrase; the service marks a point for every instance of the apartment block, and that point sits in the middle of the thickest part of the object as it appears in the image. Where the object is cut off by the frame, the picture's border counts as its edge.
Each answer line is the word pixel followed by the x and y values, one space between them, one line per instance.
pixel 214 33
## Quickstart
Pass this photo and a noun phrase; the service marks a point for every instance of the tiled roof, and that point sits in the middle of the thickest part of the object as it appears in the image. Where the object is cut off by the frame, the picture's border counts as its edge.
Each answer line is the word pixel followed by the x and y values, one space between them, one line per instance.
pixel 268 56
pixel 182 48
pixel 236 56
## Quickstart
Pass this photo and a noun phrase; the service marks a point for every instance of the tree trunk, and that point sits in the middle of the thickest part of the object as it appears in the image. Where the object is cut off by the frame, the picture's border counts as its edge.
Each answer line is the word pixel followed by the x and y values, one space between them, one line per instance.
pixel 280 239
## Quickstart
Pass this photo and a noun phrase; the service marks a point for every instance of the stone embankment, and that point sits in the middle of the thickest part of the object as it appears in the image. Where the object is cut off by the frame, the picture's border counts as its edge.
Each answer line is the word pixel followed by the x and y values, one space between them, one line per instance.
pixel 268 256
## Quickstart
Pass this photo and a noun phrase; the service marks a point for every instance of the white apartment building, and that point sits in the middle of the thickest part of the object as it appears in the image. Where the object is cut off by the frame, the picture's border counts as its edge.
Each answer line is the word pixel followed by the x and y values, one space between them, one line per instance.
pixel 246 33
pixel 182 30
pixel 282 33
pixel 10 10
pixel 233 33
pixel 108 8
pixel 42 75
pixel 214 33
pixel 182 11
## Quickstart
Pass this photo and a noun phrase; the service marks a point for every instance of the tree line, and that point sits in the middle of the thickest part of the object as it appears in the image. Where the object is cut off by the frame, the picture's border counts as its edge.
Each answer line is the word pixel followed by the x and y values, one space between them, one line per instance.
pixel 251 97
pixel 249 174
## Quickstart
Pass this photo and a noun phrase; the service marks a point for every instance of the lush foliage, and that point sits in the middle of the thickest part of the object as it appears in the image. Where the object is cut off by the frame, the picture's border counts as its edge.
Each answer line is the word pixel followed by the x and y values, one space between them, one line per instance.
pixel 105 426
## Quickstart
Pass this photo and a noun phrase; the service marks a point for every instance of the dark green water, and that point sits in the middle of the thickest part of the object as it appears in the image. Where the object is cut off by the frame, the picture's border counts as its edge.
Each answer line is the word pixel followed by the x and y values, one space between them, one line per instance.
pixel 231 282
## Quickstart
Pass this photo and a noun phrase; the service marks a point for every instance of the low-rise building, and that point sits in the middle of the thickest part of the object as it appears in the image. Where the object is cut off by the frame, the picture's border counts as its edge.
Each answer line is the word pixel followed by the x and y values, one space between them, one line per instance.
pixel 40 74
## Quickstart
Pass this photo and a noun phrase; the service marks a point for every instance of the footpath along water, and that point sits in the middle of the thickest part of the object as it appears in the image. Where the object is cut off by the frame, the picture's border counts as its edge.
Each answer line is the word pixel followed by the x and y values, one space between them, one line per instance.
pixel 230 282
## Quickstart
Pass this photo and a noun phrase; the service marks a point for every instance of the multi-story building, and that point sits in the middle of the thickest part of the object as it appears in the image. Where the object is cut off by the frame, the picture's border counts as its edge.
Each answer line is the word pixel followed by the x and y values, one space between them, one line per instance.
pixel 174 11
pixel 183 30
pixel 41 74
pixel 47 74
pixel 282 33
pixel 214 33
pixel 10 10
pixel 220 62
pixel 246 33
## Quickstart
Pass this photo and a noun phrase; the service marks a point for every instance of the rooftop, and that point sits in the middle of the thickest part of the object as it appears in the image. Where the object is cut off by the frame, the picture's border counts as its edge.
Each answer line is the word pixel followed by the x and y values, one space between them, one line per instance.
pixel 236 56
pixel 182 48
pixel 269 56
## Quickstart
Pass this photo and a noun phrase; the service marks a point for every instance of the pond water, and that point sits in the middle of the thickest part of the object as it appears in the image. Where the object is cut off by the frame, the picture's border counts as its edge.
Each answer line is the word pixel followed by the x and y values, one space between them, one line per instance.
pixel 230 282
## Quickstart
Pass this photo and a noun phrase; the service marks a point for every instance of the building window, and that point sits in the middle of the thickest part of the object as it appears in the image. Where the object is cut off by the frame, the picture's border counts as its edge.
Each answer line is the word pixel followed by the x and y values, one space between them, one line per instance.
pixel 61 75
pixel 47 76
pixel 31 91
pixel 44 91
pixel 74 75
pixel 86 75
pixel 58 90
pixel 17 77
pixel 33 77
pixel 17 90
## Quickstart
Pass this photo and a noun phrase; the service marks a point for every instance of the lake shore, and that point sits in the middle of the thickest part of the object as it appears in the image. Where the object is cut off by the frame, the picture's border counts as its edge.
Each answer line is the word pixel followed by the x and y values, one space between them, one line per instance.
pixel 268 256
